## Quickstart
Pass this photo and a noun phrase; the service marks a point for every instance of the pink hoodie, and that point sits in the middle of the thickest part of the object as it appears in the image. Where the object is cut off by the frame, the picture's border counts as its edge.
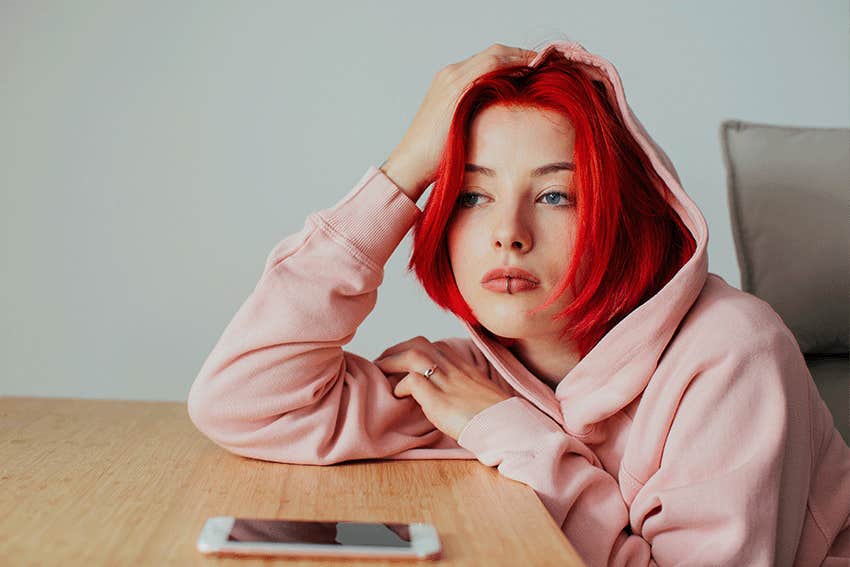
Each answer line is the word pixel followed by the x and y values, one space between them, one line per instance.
pixel 691 434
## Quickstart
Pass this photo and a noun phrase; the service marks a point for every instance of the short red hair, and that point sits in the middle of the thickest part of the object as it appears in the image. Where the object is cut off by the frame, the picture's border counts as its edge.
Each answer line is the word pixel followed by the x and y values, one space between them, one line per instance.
pixel 625 222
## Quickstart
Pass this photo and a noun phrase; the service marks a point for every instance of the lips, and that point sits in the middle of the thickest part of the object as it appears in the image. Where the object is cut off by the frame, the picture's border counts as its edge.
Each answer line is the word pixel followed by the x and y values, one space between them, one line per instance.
pixel 509 280
pixel 512 272
pixel 512 285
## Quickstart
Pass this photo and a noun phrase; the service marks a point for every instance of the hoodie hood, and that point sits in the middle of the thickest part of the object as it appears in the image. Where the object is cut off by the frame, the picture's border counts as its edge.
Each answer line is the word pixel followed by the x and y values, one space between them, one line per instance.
pixel 618 368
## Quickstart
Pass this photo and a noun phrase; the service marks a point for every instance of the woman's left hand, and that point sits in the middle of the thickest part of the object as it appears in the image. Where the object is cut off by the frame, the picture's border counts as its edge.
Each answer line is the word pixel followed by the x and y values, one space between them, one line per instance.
pixel 454 393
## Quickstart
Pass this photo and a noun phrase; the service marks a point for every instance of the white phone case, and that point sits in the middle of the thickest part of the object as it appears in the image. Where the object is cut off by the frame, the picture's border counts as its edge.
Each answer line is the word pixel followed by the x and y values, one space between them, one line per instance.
pixel 425 543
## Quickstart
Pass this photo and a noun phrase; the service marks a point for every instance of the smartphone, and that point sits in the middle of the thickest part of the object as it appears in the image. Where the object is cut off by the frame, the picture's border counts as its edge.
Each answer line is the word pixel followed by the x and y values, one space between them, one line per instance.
pixel 265 536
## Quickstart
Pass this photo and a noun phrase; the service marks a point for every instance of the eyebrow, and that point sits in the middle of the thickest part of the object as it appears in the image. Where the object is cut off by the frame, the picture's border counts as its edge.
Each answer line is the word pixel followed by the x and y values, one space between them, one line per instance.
pixel 538 172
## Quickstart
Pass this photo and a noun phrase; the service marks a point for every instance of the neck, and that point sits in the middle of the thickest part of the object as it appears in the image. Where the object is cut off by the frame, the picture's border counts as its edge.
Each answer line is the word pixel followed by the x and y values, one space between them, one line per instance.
pixel 548 359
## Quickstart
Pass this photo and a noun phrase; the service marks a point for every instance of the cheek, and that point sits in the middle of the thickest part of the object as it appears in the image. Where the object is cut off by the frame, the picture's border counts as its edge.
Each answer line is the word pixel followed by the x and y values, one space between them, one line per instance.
pixel 560 236
pixel 462 250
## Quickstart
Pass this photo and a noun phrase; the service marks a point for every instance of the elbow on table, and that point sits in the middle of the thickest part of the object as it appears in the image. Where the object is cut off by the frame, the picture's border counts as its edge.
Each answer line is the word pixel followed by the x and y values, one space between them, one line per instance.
pixel 208 412
pixel 248 437
pixel 214 429
pixel 196 405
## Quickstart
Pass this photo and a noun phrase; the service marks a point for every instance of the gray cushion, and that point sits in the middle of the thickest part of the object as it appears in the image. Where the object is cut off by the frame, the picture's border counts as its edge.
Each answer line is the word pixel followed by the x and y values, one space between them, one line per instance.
pixel 830 373
pixel 788 190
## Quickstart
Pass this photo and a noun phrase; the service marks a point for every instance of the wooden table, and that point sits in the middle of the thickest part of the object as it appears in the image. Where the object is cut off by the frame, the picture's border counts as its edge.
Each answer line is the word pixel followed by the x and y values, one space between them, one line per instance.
pixel 114 482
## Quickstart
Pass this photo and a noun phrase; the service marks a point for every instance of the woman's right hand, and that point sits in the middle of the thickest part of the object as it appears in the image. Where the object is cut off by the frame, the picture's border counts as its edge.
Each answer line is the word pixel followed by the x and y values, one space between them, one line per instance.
pixel 412 165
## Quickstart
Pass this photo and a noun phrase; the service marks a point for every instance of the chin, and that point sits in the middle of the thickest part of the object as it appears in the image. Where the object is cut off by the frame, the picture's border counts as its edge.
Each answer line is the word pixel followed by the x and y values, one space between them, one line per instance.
pixel 495 335
pixel 501 330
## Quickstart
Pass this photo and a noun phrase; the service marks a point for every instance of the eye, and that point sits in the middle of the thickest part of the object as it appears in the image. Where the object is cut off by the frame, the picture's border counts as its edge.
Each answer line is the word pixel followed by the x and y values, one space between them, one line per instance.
pixel 464 197
pixel 561 199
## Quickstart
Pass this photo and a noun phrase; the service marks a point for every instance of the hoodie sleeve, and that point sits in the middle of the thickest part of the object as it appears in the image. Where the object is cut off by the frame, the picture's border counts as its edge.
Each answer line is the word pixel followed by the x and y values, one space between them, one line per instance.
pixel 528 446
pixel 277 385
pixel 732 484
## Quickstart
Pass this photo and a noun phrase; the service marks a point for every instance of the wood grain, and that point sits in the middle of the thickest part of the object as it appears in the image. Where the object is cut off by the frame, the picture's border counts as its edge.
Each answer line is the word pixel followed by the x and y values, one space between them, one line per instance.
pixel 117 482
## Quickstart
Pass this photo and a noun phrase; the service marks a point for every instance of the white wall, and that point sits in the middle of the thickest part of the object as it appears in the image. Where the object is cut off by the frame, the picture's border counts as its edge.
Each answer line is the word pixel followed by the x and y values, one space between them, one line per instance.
pixel 152 153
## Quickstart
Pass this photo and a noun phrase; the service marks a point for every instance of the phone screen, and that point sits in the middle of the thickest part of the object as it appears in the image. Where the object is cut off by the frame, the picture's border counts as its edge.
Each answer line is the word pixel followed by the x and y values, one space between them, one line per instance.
pixel 329 533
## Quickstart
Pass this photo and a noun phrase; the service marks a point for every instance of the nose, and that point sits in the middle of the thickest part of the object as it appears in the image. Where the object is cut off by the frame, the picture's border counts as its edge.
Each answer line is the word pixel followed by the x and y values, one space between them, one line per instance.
pixel 510 231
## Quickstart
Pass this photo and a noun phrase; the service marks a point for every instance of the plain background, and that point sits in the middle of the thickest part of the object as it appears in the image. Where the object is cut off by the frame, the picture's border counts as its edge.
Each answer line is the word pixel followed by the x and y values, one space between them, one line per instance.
pixel 153 153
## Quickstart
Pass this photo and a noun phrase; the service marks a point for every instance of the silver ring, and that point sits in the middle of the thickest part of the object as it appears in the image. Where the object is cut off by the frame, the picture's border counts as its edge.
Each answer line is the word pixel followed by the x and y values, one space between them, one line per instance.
pixel 428 373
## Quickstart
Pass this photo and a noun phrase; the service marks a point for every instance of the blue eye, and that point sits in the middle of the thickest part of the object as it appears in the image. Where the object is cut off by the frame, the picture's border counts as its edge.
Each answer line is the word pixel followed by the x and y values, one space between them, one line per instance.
pixel 462 199
pixel 563 199
pixel 565 196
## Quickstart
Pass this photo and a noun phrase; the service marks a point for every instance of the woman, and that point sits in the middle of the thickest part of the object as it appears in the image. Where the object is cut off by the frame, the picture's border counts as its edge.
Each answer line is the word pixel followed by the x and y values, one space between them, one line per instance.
pixel 661 415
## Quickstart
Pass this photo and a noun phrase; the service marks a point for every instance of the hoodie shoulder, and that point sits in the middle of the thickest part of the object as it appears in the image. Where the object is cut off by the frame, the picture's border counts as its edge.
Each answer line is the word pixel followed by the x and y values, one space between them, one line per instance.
pixel 729 338
pixel 726 318
pixel 732 356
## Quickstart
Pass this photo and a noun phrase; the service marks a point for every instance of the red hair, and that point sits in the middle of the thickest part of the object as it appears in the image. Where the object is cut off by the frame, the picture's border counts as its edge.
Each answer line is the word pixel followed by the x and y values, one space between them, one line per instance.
pixel 625 222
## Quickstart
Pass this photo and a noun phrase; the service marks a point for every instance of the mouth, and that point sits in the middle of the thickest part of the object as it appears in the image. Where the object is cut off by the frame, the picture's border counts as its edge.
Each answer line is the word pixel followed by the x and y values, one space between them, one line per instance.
pixel 509 285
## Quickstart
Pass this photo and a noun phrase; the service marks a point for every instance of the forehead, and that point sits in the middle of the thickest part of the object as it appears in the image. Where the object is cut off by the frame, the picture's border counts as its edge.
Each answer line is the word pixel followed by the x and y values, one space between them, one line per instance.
pixel 505 133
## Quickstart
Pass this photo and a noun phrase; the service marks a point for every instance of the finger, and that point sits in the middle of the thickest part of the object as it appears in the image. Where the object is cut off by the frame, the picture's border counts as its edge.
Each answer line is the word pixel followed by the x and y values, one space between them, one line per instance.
pixel 495 56
pixel 401 390
pixel 416 385
pixel 477 67
pixel 405 345
pixel 445 357
pixel 519 54
pixel 510 54
pixel 454 357
pixel 439 353
pixel 501 49
pixel 510 59
pixel 416 360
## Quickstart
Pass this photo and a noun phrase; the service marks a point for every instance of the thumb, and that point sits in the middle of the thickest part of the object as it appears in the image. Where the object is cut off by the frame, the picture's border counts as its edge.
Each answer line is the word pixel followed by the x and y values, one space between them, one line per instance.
pixel 416 385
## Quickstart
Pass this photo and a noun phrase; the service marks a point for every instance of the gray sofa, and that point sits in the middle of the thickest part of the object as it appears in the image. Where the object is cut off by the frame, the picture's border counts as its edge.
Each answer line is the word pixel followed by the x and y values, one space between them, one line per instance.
pixel 788 190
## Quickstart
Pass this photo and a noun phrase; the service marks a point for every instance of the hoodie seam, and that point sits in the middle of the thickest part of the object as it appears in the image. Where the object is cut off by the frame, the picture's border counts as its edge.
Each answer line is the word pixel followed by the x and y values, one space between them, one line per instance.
pixel 809 504
pixel 817 522
pixel 273 259
pixel 343 240
pixel 537 419
pixel 628 473
pixel 544 441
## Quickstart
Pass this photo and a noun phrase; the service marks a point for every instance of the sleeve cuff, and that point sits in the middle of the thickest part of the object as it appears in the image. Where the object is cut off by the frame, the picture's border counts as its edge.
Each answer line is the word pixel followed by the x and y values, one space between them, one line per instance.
pixel 511 425
pixel 374 216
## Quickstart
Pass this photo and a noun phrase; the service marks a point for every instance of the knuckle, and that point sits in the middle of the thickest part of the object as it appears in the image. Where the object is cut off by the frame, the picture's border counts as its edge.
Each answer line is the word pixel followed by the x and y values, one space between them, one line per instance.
pixel 447 72
pixel 420 356
pixel 442 347
pixel 413 383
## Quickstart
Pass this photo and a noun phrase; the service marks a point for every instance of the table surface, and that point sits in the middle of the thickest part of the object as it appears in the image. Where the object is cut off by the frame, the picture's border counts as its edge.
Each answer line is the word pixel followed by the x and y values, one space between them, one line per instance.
pixel 119 482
